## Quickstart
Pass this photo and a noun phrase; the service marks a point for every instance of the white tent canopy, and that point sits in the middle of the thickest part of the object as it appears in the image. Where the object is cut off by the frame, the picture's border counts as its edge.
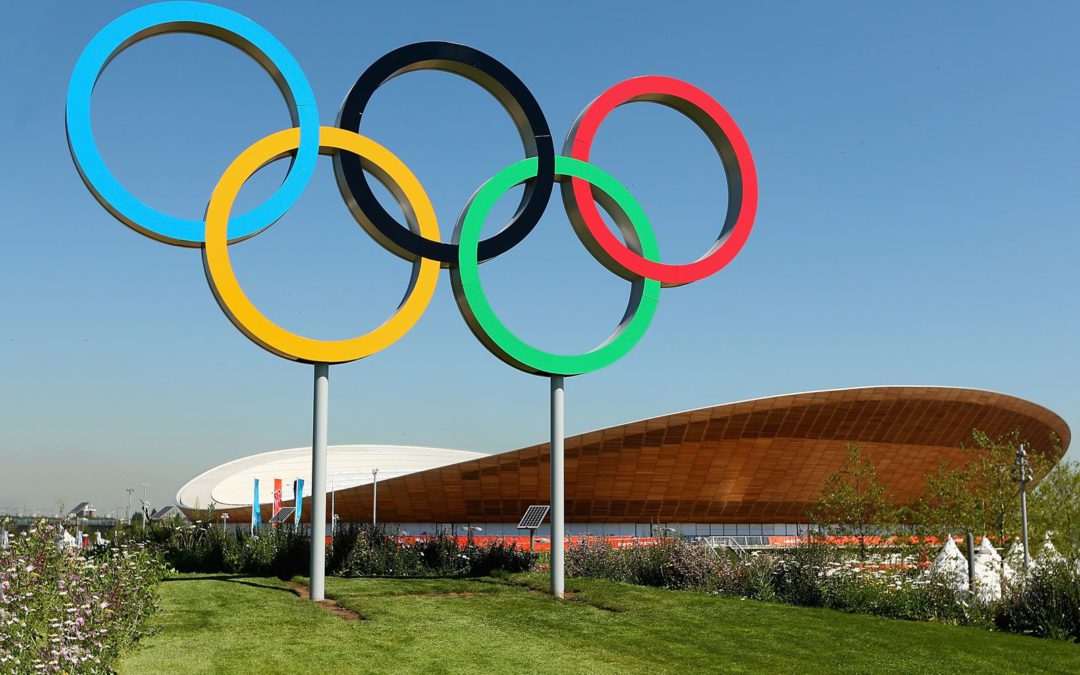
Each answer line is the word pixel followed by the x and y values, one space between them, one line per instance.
pixel 990 570
pixel 951 565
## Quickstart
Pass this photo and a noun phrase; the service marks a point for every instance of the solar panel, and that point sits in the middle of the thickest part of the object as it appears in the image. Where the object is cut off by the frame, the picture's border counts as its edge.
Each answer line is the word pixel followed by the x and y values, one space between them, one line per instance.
pixel 284 515
pixel 534 515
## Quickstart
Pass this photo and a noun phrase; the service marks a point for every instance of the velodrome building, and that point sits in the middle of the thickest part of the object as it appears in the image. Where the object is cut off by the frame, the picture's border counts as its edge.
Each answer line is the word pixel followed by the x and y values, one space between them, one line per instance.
pixel 747 468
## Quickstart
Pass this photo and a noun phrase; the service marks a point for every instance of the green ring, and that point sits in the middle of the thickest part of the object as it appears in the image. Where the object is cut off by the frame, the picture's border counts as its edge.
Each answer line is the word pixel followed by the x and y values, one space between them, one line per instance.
pixel 480 316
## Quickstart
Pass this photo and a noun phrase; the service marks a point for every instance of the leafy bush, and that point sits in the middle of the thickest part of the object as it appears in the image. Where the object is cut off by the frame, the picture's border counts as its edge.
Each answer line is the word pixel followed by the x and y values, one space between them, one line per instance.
pixel 596 558
pixel 899 592
pixel 1046 603
pixel 65 610
pixel 498 555
pixel 753 578
pixel 375 553
pixel 363 550
pixel 441 555
pixel 814 575
pixel 280 551
pixel 667 564
pixel 799 574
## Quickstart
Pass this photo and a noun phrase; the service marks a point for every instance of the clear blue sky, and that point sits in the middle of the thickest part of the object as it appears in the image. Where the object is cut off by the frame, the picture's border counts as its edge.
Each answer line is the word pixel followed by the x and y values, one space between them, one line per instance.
pixel 918 165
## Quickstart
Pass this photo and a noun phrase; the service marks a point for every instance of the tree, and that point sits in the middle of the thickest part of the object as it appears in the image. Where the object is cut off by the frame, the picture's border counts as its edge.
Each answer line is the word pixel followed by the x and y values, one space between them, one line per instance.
pixel 994 506
pixel 944 505
pixel 1055 507
pixel 852 502
pixel 982 495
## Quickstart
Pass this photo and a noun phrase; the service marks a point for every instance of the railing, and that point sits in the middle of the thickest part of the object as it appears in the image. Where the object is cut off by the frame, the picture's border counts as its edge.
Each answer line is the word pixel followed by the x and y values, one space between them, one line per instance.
pixel 728 542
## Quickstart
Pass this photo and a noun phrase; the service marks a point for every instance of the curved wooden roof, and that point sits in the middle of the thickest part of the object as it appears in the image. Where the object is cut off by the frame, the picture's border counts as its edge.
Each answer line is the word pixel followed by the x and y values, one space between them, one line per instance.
pixel 758 461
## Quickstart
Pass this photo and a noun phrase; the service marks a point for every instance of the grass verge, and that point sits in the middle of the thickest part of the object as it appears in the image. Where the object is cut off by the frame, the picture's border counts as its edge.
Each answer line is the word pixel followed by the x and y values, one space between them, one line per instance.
pixel 247 624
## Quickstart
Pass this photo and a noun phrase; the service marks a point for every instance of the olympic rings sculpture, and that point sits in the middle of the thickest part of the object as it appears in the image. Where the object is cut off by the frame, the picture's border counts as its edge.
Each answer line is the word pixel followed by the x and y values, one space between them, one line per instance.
pixel 418 241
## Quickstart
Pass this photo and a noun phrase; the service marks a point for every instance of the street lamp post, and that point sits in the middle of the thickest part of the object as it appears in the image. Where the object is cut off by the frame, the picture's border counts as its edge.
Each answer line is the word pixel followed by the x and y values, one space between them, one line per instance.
pixel 1022 474
pixel 145 507
pixel 469 530
pixel 374 494
pixel 224 521
pixel 127 514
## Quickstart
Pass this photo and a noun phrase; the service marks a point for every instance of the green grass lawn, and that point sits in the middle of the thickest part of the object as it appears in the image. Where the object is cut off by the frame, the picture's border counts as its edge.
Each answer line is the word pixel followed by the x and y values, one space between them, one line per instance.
pixel 253 624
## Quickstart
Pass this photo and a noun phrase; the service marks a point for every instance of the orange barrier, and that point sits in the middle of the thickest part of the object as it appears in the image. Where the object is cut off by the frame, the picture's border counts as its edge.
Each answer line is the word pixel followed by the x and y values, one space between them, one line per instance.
pixel 543 544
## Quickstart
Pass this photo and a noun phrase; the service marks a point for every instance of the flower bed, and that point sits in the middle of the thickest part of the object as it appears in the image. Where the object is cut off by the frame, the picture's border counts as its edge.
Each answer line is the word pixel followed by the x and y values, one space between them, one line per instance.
pixel 354 551
pixel 65 610
pixel 1046 603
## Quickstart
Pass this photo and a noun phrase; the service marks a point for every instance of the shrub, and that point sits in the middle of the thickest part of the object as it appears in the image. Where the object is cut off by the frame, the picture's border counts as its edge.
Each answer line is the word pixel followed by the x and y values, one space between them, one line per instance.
pixel 281 551
pixel 1045 603
pixel 753 578
pixel 341 544
pixel 498 555
pixel 668 564
pixel 65 610
pixel 901 593
pixel 441 555
pixel 596 558
pixel 798 576
pixel 814 575
pixel 375 553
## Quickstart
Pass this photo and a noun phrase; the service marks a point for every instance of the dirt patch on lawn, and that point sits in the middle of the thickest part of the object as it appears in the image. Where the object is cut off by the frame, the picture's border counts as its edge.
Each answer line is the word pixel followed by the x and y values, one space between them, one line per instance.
pixel 570 596
pixel 329 605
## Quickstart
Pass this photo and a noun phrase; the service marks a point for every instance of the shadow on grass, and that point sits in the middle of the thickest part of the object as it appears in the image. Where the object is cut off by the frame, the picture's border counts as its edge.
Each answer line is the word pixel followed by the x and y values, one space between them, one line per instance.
pixel 294 587
pixel 241 579
pixel 410 577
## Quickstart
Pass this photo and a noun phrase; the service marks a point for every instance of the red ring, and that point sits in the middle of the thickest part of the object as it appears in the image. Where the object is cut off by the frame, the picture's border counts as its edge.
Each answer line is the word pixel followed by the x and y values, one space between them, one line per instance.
pixel 721 129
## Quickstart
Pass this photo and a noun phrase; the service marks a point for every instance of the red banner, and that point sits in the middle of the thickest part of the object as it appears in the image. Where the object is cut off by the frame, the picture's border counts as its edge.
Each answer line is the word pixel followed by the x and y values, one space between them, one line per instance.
pixel 277 495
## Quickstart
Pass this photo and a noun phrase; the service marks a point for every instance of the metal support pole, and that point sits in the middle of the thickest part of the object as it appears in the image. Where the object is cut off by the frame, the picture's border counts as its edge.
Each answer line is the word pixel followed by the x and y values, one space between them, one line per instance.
pixel 318 482
pixel 971 561
pixel 1023 514
pixel 557 485
pixel 1021 459
pixel 374 495
pixel 145 507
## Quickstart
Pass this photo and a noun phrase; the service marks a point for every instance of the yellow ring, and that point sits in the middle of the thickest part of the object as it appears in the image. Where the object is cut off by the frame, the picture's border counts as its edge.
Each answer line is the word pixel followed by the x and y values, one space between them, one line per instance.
pixel 392 173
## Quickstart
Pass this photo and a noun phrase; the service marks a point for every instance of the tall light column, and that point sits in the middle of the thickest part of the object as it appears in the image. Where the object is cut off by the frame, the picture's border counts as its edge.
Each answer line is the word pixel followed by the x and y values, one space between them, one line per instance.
pixel 318 482
pixel 1023 471
pixel 145 507
pixel 374 495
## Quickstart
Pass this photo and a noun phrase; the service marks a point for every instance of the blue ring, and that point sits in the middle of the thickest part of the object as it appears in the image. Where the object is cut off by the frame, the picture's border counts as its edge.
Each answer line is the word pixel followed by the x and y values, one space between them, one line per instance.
pixel 219 23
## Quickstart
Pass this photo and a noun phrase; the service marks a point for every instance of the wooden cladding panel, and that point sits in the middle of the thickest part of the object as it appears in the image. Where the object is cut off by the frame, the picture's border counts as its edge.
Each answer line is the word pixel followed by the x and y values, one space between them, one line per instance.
pixel 757 461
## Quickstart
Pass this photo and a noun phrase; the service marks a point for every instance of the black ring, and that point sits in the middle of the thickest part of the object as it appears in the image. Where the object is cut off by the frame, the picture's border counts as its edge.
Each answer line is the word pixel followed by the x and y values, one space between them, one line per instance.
pixel 501 83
